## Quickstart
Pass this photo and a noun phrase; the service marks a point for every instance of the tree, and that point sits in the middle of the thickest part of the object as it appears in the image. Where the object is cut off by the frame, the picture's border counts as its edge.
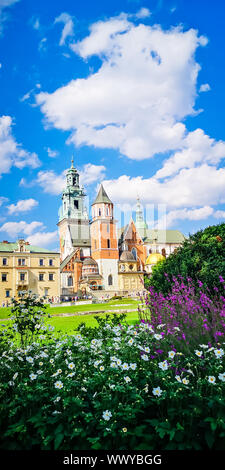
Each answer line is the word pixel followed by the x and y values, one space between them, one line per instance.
pixel 201 258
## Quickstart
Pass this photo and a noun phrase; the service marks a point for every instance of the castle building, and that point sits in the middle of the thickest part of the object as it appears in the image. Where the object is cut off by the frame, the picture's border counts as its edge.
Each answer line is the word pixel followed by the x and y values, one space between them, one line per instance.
pixel 24 267
pixel 98 256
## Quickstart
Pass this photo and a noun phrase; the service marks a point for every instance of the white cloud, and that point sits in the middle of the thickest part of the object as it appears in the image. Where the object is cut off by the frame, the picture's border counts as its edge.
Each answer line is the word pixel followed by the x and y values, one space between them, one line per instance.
pixel 143 13
pixel 14 229
pixel 4 5
pixel 68 29
pixel 24 205
pixel 54 184
pixel 197 148
pixel 200 186
pixel 3 200
pixel 204 87
pixel 52 153
pixel 91 173
pixel 12 153
pixel 50 182
pixel 219 214
pixel 172 217
pixel 43 239
pixel 136 100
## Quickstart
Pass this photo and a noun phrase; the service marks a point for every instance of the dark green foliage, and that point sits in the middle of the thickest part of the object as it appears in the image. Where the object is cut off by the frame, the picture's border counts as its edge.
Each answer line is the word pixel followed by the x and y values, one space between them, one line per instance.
pixel 201 258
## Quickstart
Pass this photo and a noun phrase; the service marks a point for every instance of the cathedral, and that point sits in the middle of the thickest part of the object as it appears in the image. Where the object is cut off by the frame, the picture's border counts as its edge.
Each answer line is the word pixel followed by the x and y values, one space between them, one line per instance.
pixel 99 258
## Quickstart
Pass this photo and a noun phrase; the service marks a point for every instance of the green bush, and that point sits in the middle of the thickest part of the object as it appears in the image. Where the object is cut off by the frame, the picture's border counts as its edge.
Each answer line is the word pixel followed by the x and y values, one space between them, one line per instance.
pixel 201 258
pixel 112 387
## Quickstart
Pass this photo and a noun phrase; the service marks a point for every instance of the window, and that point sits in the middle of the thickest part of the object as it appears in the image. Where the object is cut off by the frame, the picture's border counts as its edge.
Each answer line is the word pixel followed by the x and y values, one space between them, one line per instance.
pixel 22 276
pixel 76 204
pixel 134 253
pixel 51 262
pixel 21 262
pixel 4 277
pixel 110 280
pixel 41 277
pixel 41 262
pixel 107 228
pixel 99 212
pixel 108 243
pixel 7 293
pixel 70 281
pixel 50 277
pixel 4 261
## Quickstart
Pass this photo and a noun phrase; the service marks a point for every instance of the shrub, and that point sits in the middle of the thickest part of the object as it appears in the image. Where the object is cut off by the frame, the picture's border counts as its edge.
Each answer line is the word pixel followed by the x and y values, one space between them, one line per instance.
pixel 112 387
pixel 191 312
pixel 201 257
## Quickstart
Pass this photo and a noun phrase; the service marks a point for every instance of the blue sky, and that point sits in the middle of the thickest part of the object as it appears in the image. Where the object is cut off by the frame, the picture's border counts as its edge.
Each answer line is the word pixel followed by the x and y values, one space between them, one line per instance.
pixel 133 89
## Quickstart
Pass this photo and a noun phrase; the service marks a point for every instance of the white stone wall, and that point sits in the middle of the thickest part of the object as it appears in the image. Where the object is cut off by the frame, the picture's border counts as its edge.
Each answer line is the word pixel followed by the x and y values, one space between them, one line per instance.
pixel 107 267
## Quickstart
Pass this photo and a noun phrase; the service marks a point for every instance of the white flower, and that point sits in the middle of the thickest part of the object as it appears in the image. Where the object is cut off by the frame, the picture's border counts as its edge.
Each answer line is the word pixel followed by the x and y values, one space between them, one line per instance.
pixel 58 384
pixel 147 350
pixel 127 379
pixel 211 379
pixel 30 359
pixel 71 374
pixel 198 353
pixel 113 365
pixel 218 352
pixel 119 362
pixel 144 357
pixel 203 346
pixel 71 365
pixel 125 366
pixel 158 336
pixel 171 354
pixel 40 363
pixel 157 391
pixel 113 358
pixel 15 375
pixel 33 376
pixel 163 365
pixel 101 368
pixel 185 381
pixel 107 415
pixel 133 366
pixel 222 377
pixel 131 341
pixel 51 361
pixel 177 377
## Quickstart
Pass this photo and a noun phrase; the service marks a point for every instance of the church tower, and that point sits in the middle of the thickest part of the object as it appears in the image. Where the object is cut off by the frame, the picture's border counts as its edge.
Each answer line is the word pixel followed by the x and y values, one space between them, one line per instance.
pixel 104 244
pixel 140 223
pixel 73 222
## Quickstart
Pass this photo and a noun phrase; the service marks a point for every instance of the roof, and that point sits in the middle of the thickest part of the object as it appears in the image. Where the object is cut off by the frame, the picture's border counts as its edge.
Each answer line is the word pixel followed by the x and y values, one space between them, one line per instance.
pixel 154 258
pixel 89 261
pixel 13 247
pixel 158 236
pixel 102 197
pixel 127 256
pixel 67 260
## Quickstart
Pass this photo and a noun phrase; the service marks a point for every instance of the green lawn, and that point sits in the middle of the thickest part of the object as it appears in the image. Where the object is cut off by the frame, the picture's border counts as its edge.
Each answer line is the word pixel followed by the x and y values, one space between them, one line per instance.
pixel 70 324
pixel 111 305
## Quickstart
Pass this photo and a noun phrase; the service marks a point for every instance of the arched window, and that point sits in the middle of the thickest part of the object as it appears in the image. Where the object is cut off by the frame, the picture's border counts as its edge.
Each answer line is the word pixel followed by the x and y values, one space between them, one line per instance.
pixel 99 212
pixel 110 280
pixel 134 253
pixel 70 281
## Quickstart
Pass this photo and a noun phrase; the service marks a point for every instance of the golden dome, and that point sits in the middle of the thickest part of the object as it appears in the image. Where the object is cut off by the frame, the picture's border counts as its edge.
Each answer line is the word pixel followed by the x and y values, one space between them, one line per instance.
pixel 154 258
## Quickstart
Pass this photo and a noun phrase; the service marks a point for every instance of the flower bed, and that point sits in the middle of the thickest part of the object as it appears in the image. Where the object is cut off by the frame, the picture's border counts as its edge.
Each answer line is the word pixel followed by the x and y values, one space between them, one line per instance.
pixel 112 387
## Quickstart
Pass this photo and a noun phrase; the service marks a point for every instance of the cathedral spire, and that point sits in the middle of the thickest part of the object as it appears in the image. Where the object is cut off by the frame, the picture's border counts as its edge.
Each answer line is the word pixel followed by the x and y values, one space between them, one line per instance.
pixel 72 161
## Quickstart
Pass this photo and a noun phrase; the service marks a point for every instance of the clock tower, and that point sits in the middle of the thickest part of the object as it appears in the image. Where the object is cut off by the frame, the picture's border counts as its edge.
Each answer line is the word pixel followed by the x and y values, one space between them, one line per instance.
pixel 73 222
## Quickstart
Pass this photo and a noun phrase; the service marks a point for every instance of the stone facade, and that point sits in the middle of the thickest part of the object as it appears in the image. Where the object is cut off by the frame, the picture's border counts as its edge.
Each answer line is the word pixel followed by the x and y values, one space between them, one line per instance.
pixel 24 267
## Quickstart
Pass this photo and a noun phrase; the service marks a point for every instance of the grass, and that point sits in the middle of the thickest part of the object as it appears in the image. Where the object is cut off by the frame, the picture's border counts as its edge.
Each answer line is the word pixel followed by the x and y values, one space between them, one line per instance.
pixel 107 306
pixel 70 324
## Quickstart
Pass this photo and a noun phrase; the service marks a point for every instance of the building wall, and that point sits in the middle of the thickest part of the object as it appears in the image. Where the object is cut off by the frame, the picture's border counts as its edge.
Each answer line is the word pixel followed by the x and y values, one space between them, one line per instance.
pixel 109 267
pixel 31 270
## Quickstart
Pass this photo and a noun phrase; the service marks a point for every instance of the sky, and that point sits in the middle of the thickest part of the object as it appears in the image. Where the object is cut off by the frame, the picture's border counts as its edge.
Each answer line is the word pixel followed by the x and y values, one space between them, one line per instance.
pixel 132 90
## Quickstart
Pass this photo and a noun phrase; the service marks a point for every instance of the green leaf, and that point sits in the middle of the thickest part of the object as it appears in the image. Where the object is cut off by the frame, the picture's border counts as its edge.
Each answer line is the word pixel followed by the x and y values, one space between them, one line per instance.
pixel 59 438
pixel 210 439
